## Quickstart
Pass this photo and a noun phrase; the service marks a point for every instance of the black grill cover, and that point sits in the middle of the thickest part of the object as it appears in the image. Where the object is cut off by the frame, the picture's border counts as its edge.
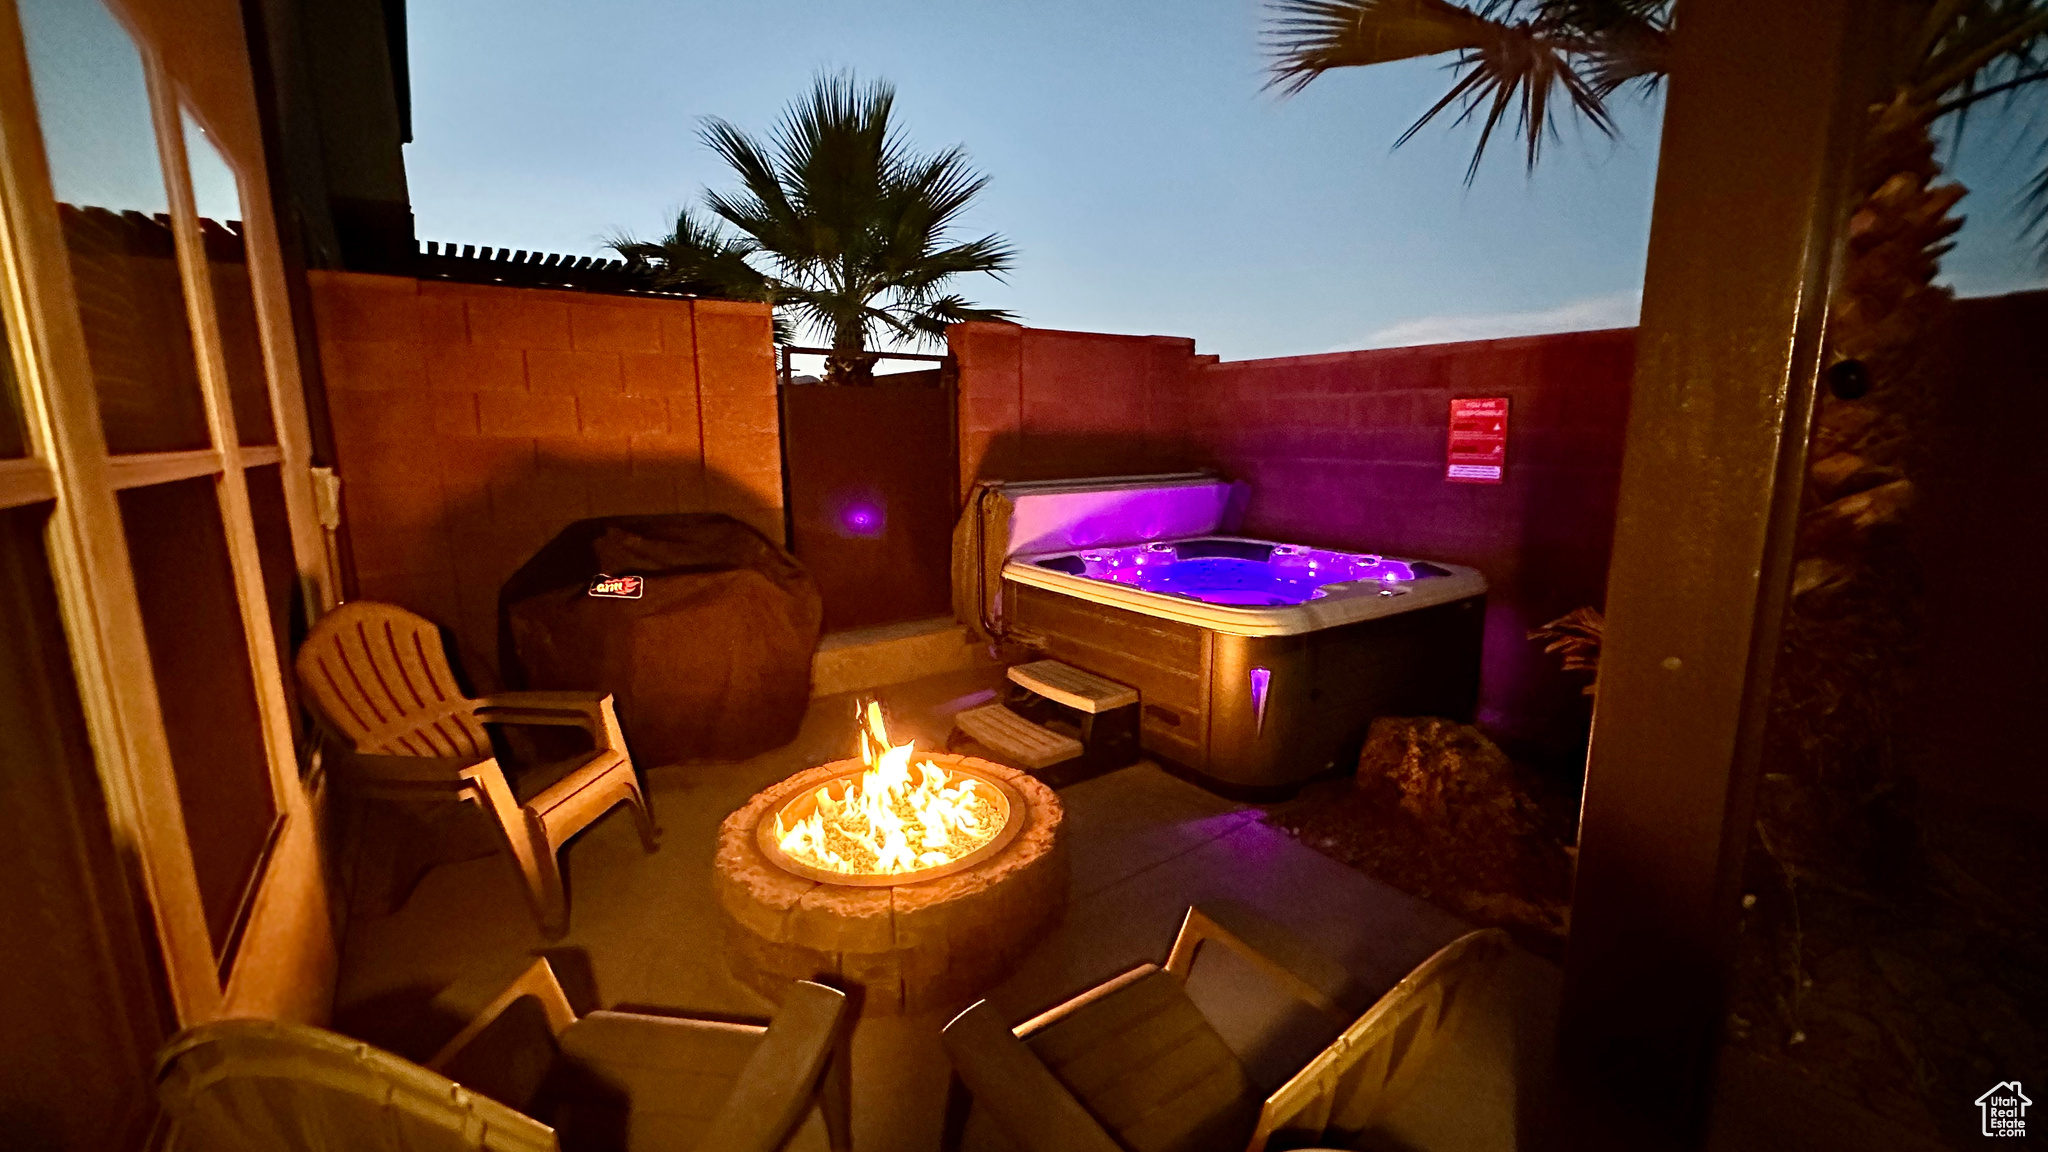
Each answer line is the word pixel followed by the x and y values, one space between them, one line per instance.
pixel 711 662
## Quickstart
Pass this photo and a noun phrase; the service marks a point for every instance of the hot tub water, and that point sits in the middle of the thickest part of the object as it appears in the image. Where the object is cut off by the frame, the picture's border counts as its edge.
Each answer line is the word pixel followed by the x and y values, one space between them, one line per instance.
pixel 1239 573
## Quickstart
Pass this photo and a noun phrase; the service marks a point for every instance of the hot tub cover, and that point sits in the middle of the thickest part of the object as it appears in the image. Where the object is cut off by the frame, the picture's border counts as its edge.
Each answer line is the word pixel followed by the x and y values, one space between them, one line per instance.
pixel 1005 518
pixel 711 662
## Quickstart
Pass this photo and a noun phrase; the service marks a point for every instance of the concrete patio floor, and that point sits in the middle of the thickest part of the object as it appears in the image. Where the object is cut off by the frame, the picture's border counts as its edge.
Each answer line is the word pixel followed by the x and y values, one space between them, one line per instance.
pixel 644 932
pixel 644 929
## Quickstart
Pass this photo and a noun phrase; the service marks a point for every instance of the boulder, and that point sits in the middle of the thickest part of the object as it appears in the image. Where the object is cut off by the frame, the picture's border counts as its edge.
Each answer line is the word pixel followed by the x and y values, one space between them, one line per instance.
pixel 1447 774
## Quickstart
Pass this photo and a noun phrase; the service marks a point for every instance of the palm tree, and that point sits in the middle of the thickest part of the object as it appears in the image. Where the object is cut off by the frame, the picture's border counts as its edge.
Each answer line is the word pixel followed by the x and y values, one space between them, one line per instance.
pixel 838 223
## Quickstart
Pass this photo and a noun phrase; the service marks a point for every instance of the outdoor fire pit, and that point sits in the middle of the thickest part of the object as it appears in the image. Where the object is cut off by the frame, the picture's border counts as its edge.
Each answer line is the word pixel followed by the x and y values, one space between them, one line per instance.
pixel 920 883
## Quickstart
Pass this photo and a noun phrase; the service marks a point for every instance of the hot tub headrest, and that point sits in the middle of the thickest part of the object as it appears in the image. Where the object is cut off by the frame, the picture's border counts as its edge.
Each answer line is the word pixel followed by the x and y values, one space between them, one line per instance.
pixel 1005 519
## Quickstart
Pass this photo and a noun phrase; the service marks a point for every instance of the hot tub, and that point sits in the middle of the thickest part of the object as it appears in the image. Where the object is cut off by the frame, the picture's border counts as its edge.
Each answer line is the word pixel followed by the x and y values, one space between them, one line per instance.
pixel 1259 663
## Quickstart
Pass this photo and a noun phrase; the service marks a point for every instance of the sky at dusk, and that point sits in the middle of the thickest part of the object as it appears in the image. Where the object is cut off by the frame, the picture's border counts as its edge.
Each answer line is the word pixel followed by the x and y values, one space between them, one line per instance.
pixel 1148 183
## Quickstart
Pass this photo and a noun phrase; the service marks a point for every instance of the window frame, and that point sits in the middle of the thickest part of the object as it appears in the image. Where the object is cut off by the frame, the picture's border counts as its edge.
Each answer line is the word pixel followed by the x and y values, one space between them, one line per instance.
pixel 69 466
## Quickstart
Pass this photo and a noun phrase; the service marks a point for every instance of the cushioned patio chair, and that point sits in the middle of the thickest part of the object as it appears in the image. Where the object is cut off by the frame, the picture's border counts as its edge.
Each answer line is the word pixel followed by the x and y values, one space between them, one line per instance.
pixel 378 675
pixel 543 1079
pixel 1132 1066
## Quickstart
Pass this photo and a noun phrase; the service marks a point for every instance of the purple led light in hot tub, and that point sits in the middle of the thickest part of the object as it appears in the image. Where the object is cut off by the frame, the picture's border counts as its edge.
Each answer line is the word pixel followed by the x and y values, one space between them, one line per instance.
pixel 1239 573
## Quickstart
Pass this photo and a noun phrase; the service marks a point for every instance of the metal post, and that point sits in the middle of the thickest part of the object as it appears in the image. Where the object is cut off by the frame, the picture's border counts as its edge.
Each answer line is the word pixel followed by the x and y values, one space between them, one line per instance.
pixel 1766 103
pixel 949 379
pixel 782 442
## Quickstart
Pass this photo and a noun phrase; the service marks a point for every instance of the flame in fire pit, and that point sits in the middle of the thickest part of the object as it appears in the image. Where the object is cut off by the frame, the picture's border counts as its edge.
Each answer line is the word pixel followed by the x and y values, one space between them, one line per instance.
pixel 883 823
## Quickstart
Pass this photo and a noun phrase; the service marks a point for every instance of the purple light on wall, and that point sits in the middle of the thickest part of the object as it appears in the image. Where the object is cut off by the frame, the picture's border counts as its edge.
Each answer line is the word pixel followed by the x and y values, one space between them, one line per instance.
pixel 861 518
pixel 1261 679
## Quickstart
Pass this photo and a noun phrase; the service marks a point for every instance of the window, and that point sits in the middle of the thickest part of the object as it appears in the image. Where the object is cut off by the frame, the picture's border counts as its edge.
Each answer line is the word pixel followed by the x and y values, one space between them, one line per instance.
pixel 139 422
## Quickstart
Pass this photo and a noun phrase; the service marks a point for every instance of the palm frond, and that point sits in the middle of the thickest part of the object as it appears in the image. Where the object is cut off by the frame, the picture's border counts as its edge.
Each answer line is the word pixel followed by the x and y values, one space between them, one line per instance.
pixel 1936 23
pixel 834 151
pixel 696 256
pixel 835 219
pixel 1577 636
pixel 1973 95
pixel 1518 71
pixel 2016 63
pixel 1624 52
pixel 1964 43
pixel 1598 17
pixel 989 255
pixel 932 192
pixel 1968 51
pixel 931 319
pixel 811 307
pixel 1307 38
pixel 1511 57
pixel 2034 206
pixel 761 209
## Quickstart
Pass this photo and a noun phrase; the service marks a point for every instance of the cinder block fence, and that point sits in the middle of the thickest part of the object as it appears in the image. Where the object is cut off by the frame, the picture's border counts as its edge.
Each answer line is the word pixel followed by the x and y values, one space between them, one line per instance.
pixel 473 422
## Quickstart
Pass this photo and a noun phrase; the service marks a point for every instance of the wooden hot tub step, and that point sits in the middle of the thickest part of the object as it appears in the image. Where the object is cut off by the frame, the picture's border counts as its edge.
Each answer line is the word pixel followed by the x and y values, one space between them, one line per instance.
pixel 1066 684
pixel 1012 737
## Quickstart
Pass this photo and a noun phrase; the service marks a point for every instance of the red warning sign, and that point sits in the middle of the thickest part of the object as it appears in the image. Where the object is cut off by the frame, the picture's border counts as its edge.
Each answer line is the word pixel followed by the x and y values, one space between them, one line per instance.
pixel 1478 452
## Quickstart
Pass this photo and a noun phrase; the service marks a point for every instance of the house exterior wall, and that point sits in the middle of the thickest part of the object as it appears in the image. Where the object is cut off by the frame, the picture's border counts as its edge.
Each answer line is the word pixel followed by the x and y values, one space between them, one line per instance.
pixel 473 422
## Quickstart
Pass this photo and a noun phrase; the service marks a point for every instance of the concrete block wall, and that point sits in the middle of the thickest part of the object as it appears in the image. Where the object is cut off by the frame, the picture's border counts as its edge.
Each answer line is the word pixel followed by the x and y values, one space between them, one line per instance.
pixel 1348 450
pixel 473 422
pixel 1983 639
pixel 1041 404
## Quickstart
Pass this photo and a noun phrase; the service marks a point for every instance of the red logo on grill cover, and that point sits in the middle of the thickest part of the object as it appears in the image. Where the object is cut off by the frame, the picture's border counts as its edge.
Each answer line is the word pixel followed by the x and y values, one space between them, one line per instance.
pixel 617 587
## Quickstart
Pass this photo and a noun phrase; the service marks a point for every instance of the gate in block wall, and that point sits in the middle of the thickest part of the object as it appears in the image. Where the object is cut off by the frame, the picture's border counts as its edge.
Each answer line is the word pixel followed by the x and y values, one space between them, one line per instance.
pixel 871 484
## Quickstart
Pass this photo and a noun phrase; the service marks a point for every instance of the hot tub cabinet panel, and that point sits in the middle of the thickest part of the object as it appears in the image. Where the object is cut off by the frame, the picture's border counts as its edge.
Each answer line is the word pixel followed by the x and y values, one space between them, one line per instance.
pixel 1322 690
pixel 1258 715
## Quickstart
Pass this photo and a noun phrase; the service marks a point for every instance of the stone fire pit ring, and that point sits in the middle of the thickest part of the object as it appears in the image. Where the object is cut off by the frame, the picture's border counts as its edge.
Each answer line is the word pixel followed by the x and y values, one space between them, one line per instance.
pixel 925 946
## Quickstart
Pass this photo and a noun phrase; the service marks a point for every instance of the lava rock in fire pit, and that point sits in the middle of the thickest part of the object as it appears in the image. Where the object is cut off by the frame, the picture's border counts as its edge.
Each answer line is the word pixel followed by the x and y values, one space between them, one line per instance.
pixel 712 661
